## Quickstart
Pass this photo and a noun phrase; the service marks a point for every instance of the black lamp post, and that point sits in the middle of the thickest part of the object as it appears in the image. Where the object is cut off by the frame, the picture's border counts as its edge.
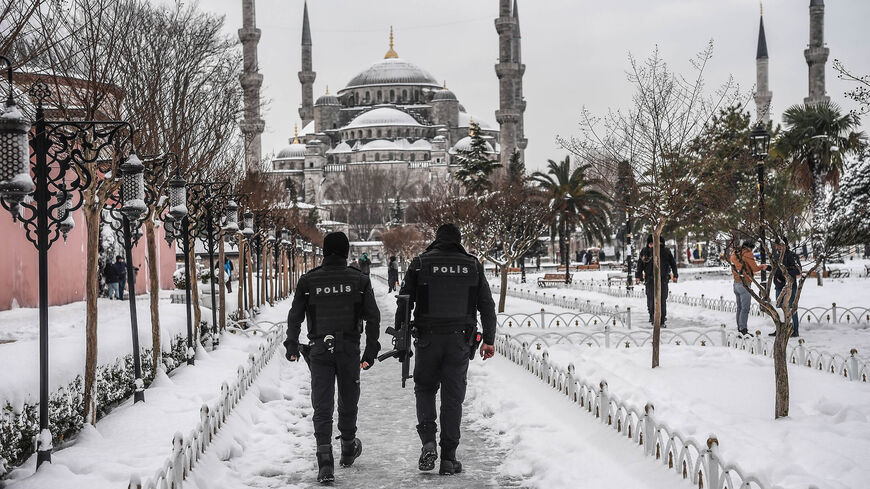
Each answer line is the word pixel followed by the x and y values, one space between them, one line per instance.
pixel 127 211
pixel 567 201
pixel 629 251
pixel 60 175
pixel 247 233
pixel 759 144
pixel 178 222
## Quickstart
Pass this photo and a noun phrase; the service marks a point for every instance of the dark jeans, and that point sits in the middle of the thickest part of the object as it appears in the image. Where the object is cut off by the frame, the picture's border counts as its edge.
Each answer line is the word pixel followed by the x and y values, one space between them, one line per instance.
pixel 327 369
pixel 441 361
pixel 393 281
pixel 651 299
pixel 794 316
pixel 121 284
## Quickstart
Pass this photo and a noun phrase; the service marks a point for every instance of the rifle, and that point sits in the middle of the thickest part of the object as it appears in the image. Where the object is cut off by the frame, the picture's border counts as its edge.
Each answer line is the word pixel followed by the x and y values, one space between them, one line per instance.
pixel 402 340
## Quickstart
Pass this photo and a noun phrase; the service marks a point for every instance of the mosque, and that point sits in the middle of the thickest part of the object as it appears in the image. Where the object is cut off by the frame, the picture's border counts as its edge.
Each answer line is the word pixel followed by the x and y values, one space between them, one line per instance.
pixel 395 120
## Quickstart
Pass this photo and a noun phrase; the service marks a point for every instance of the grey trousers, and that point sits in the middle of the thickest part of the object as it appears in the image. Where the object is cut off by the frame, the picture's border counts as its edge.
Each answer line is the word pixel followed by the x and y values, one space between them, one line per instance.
pixel 744 301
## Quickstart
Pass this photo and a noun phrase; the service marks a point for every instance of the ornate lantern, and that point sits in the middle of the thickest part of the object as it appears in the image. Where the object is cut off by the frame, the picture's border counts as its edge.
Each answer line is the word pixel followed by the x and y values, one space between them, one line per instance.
pixel 169 228
pixel 178 197
pixel 133 188
pixel 248 230
pixel 759 142
pixel 271 236
pixel 15 181
pixel 231 217
pixel 285 237
pixel 67 223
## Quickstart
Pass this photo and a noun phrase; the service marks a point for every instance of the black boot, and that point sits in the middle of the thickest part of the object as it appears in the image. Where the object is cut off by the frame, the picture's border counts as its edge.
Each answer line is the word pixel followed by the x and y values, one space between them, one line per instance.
pixel 350 450
pixel 450 467
pixel 428 456
pixel 325 464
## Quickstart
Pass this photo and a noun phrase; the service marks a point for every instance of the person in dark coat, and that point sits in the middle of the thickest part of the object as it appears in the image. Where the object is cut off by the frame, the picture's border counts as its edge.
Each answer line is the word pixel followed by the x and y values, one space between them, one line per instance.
pixel 121 270
pixel 333 300
pixel 447 288
pixel 668 268
pixel 393 274
pixel 365 265
pixel 110 275
pixel 792 265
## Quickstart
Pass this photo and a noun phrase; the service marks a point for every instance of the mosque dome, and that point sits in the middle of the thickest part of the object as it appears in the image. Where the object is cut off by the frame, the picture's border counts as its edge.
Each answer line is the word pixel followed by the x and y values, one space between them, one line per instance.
pixel 444 95
pixel 382 116
pixel 294 151
pixel 464 144
pixel 327 99
pixel 393 71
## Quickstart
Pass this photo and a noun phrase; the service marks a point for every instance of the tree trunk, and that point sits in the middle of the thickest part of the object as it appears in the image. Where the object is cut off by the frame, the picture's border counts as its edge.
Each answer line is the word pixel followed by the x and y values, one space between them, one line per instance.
pixel 222 298
pixel 92 291
pixel 154 294
pixel 502 294
pixel 657 290
pixel 240 307
pixel 250 278
pixel 780 367
pixel 819 221
pixel 194 290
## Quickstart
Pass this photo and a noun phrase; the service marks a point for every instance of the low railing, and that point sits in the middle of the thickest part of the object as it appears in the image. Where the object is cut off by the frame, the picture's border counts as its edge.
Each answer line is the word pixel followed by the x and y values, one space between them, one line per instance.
pixel 810 316
pixel 187 450
pixel 699 464
pixel 544 319
pixel 605 314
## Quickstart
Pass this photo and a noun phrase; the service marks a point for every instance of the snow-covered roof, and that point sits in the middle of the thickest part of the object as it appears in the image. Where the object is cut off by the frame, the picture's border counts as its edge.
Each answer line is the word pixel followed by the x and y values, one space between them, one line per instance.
pixel 383 116
pixel 444 95
pixel 366 243
pixel 308 129
pixel 384 145
pixel 342 147
pixel 392 71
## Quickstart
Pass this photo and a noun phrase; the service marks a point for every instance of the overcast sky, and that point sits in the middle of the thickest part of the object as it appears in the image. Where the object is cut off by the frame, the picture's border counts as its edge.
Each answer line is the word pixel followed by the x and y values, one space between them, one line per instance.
pixel 575 51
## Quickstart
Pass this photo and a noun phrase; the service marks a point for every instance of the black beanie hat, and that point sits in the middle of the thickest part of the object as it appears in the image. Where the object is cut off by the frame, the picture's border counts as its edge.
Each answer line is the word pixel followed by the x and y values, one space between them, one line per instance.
pixel 448 233
pixel 649 239
pixel 336 244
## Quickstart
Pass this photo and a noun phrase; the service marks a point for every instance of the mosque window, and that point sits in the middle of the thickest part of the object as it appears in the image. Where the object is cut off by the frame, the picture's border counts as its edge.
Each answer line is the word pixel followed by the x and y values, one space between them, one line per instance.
pixel 379 133
pixel 413 157
pixel 380 96
pixel 368 97
pixel 334 125
pixel 389 133
pixel 368 133
pixel 404 95
pixel 392 95
pixel 377 157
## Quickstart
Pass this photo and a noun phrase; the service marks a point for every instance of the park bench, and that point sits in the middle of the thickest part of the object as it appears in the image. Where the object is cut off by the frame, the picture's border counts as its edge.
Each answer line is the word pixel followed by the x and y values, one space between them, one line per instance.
pixel 700 261
pixel 591 266
pixel 619 277
pixel 839 273
pixel 514 270
pixel 553 279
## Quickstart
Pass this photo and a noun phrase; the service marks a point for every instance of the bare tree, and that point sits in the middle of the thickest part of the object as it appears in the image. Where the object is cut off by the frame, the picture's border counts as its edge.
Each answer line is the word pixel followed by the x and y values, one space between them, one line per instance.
pixel 669 111
pixel 404 241
pixel 362 196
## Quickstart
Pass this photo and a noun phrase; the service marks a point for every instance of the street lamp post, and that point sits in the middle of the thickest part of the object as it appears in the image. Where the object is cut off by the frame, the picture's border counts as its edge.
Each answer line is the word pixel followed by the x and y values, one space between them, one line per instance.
pixel 629 252
pixel 567 201
pixel 60 175
pixel 759 141
pixel 247 233
pixel 177 222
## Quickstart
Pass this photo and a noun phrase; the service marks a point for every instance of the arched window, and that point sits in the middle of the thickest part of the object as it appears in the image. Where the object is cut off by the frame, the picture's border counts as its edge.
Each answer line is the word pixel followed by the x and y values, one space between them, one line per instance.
pixel 347 159
pixel 392 95
pixel 380 96
pixel 404 94
pixel 334 125
pixel 377 157
pixel 356 98
pixel 368 133
pixel 368 97
pixel 364 157
pixel 413 157
pixel 389 133
pixel 379 133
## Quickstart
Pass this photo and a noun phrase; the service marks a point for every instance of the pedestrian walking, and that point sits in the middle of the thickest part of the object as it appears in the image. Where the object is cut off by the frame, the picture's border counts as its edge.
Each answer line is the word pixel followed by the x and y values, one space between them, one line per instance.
pixel 447 288
pixel 743 267
pixel 792 265
pixel 334 299
pixel 365 265
pixel 393 274
pixel 228 272
pixel 121 271
pixel 668 272
pixel 110 275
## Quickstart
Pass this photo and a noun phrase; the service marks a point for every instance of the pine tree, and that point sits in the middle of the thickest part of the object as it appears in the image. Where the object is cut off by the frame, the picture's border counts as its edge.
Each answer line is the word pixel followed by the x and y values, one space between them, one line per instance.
pixel 476 164
pixel 850 208
pixel 516 168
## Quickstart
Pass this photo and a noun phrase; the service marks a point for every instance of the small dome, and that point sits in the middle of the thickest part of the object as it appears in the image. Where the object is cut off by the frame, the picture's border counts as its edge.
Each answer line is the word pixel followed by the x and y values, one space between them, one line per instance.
pixel 328 99
pixel 294 151
pixel 464 144
pixel 382 116
pixel 444 95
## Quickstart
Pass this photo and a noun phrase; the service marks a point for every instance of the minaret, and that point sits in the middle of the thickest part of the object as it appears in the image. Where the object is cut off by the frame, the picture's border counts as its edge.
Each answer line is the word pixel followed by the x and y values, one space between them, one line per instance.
pixel 510 72
pixel 763 95
pixel 520 101
pixel 307 75
pixel 252 125
pixel 817 54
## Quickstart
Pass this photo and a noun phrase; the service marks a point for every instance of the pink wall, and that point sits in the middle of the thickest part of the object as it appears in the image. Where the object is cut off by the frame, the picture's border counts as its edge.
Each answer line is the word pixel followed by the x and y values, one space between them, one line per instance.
pixel 19 265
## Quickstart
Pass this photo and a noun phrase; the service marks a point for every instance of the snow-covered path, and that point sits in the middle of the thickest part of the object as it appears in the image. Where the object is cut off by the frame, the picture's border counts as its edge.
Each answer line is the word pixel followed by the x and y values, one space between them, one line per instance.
pixel 516 433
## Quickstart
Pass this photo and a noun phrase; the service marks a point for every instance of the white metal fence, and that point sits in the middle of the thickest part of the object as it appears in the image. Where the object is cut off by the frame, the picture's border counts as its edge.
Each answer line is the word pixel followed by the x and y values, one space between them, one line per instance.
pixel 187 450
pixel 700 464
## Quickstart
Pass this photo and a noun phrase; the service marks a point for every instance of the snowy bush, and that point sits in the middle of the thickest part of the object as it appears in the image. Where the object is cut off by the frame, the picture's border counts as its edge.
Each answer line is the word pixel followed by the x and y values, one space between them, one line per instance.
pixel 19 423
pixel 178 279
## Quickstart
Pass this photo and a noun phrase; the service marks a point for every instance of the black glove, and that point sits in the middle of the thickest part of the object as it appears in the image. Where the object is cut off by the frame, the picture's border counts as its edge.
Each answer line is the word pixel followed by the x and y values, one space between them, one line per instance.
pixel 292 348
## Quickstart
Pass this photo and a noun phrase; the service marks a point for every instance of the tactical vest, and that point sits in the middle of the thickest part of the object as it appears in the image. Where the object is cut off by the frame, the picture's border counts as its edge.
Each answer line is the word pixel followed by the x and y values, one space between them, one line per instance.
pixel 446 289
pixel 335 299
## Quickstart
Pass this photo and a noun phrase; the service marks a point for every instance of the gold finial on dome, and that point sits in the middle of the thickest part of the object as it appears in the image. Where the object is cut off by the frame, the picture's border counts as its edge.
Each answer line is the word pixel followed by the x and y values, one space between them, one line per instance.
pixel 761 7
pixel 445 84
pixel 295 134
pixel 327 89
pixel 391 54
pixel 471 126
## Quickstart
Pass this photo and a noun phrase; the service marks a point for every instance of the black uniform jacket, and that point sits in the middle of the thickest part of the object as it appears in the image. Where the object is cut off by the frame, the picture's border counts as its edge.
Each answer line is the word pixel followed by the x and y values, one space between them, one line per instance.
pixel 370 312
pixel 485 303
pixel 667 264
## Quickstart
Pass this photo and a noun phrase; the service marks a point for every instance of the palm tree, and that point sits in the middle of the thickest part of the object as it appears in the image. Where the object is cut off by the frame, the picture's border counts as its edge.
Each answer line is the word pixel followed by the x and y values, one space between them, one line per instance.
pixel 816 140
pixel 576 200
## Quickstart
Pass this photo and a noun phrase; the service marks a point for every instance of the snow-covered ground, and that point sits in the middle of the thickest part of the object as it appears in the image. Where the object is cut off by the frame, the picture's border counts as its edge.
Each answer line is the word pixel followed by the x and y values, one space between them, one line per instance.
pixel 703 390
pixel 137 438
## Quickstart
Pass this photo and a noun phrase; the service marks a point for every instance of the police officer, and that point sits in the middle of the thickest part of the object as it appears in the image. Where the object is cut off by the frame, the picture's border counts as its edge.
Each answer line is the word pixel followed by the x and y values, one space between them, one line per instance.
pixel 334 298
pixel 447 287
pixel 667 267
